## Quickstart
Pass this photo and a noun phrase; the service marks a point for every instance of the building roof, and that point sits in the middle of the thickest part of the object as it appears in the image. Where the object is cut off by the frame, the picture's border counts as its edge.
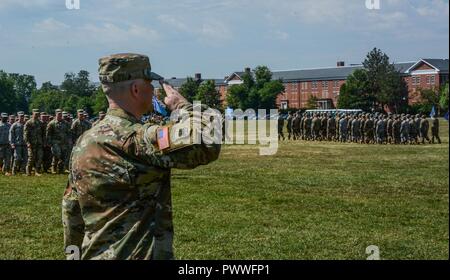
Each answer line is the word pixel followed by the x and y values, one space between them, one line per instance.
pixel 441 64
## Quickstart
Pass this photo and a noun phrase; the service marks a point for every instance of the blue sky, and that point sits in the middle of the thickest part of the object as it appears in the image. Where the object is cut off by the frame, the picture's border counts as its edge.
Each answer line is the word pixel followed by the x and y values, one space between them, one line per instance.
pixel 45 39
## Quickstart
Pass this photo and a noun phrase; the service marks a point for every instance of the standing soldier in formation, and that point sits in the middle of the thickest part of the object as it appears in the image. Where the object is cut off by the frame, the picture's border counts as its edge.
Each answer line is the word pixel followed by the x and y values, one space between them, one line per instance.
pixel 33 136
pixel 47 152
pixel 5 148
pixel 57 133
pixel 389 126
pixel 289 125
pixel 307 127
pixel 361 127
pixel 323 127
pixel 69 143
pixel 79 126
pixel 424 127
pixel 435 129
pixel 280 127
pixel 404 130
pixel 412 131
pixel 331 128
pixel 18 144
pixel 381 130
pixel 296 125
pixel 368 129
pixel 343 125
pixel 316 127
pixel 417 123
pixel 396 125
pixel 356 129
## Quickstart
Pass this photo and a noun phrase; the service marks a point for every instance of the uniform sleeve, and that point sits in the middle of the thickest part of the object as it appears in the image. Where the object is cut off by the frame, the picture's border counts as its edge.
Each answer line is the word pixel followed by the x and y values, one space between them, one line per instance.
pixel 72 219
pixel 11 137
pixel 48 134
pixel 26 132
pixel 188 157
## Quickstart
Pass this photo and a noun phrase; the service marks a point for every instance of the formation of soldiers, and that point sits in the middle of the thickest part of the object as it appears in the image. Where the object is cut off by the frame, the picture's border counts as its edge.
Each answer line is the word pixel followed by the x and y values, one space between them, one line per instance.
pixel 360 128
pixel 40 143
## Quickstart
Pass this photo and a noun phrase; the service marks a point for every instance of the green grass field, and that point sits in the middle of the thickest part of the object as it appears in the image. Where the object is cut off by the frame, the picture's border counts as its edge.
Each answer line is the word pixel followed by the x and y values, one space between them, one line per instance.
pixel 309 201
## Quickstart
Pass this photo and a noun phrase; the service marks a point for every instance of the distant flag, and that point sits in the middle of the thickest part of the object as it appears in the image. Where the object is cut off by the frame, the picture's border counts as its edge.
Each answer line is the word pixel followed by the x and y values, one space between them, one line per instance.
pixel 446 116
pixel 433 112
pixel 159 108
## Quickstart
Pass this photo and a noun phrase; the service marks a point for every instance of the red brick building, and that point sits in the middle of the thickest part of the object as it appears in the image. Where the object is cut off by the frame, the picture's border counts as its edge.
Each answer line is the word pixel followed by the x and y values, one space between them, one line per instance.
pixel 325 83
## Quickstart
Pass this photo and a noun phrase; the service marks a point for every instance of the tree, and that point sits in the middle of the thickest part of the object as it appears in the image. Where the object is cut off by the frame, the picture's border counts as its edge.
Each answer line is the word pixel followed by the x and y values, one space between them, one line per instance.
pixel 100 103
pixel 208 94
pixel 47 86
pixel 189 89
pixel 430 98
pixel 24 86
pixel 384 83
pixel 255 92
pixel 443 102
pixel 79 84
pixel 47 101
pixel 7 94
pixel 312 102
pixel 354 94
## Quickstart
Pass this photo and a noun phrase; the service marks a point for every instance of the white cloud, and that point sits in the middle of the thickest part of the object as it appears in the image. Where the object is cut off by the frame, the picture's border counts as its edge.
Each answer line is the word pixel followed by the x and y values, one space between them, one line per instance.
pixel 49 25
pixel 279 35
pixel 173 21
pixel 435 8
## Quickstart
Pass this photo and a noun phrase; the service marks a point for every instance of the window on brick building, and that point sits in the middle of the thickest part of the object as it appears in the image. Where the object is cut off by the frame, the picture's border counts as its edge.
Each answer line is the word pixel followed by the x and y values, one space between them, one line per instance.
pixel 336 84
pixel 324 84
pixel 432 80
pixel 314 85
pixel 428 80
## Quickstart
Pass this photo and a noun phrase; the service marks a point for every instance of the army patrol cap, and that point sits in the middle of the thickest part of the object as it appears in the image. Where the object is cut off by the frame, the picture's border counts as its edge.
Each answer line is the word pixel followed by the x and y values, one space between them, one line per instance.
pixel 101 113
pixel 4 115
pixel 35 111
pixel 21 113
pixel 57 111
pixel 124 67
pixel 80 111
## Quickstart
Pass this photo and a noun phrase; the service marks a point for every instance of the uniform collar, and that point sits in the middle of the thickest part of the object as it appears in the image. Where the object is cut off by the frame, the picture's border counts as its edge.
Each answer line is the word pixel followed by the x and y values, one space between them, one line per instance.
pixel 117 112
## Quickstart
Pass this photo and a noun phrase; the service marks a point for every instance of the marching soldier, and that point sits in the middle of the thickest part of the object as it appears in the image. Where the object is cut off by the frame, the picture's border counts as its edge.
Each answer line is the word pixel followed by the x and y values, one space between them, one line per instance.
pixel 424 127
pixel 435 129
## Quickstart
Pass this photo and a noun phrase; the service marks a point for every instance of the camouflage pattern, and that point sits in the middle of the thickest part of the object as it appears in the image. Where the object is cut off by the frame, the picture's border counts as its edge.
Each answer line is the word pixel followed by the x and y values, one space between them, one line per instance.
pixel 289 125
pixel 57 135
pixel 424 127
pixel 435 130
pixel 5 147
pixel 280 127
pixel 343 126
pixel 78 128
pixel 19 151
pixel 34 133
pixel 117 204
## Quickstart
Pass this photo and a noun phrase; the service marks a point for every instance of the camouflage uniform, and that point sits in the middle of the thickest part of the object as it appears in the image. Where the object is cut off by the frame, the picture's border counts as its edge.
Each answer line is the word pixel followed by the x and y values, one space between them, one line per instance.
pixel 78 128
pixel 331 128
pixel 33 135
pixel 296 126
pixel 280 127
pixel 396 125
pixel 5 147
pixel 117 204
pixel 355 130
pixel 381 131
pixel 404 131
pixel 57 133
pixel 424 127
pixel 289 125
pixel 368 130
pixel 16 139
pixel 343 125
pixel 435 130
pixel 315 128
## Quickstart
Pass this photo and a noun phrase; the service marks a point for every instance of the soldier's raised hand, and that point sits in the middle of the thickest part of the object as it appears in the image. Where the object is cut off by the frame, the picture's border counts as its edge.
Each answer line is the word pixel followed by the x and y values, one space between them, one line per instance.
pixel 173 97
